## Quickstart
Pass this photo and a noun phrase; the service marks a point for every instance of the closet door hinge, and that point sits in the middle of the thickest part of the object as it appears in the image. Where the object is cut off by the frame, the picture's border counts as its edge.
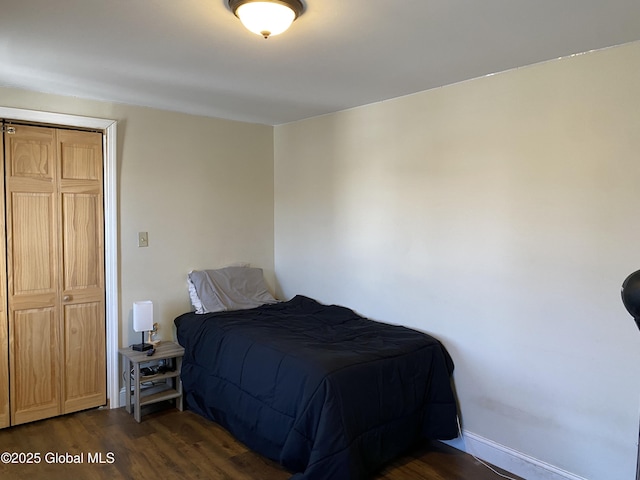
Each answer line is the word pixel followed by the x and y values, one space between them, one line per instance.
pixel 8 129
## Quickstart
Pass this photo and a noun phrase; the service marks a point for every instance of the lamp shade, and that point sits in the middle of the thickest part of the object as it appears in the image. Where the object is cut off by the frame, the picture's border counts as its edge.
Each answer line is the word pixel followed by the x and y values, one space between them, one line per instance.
pixel 268 17
pixel 143 315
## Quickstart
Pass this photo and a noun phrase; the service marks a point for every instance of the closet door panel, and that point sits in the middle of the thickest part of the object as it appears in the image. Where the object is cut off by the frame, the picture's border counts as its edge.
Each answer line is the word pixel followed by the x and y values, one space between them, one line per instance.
pixel 81 156
pixel 34 320
pixel 83 239
pixel 32 237
pixel 83 303
pixel 5 417
pixel 85 366
pixel 35 349
pixel 35 386
pixel 4 370
pixel 31 153
pixel 82 215
pixel 82 277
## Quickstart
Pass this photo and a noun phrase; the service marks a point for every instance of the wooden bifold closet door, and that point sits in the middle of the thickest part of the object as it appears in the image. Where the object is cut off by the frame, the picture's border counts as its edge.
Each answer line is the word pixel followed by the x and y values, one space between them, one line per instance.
pixel 5 416
pixel 55 272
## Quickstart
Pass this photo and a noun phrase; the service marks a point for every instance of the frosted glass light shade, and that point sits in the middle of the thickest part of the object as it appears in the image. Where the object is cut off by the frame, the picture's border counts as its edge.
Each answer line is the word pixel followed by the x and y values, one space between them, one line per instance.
pixel 266 18
pixel 143 315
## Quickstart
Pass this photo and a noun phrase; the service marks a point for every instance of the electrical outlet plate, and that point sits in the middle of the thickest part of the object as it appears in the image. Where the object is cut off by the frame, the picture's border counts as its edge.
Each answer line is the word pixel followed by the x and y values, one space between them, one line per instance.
pixel 143 239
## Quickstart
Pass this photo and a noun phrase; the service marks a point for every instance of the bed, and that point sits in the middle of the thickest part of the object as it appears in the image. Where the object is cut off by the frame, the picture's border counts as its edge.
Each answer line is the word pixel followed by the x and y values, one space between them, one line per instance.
pixel 320 389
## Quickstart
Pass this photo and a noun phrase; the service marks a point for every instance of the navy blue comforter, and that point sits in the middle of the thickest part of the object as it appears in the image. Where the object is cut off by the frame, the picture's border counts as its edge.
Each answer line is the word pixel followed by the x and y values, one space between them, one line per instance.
pixel 323 391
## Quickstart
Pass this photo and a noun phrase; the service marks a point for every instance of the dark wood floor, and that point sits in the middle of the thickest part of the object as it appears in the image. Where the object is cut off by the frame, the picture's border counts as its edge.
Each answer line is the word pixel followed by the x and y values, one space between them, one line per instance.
pixel 170 445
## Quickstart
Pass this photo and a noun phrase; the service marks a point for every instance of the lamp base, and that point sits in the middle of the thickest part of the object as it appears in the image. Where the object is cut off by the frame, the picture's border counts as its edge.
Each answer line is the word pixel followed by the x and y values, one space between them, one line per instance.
pixel 142 347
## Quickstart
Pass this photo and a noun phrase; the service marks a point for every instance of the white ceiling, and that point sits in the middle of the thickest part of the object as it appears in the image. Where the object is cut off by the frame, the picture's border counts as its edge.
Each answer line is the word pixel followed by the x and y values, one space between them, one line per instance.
pixel 194 56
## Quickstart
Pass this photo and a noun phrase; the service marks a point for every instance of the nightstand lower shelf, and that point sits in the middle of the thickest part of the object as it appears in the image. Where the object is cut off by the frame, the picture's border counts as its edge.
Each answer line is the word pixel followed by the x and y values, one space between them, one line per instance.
pixel 135 397
pixel 168 394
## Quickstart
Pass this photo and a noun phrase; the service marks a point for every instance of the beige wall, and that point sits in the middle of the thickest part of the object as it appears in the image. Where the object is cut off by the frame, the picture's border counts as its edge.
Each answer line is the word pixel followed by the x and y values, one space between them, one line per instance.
pixel 202 188
pixel 501 215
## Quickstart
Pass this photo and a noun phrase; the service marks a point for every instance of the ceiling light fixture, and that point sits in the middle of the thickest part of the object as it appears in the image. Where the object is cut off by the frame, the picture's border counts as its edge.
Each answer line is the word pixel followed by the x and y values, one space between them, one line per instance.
pixel 266 17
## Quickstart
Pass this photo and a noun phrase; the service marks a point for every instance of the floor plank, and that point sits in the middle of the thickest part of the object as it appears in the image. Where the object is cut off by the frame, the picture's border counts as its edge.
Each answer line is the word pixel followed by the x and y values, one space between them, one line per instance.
pixel 169 445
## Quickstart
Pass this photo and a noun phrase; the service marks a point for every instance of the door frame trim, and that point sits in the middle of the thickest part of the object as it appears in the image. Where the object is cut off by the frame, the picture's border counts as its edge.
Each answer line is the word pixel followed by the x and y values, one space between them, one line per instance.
pixel 112 300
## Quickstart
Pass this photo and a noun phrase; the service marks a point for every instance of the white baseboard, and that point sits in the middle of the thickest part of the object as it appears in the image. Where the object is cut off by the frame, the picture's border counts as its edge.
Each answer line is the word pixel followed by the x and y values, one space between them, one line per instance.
pixel 509 459
pixel 122 400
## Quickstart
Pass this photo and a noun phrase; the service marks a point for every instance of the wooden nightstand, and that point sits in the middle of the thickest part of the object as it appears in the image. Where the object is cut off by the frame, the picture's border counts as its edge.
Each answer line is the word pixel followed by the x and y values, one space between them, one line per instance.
pixel 133 360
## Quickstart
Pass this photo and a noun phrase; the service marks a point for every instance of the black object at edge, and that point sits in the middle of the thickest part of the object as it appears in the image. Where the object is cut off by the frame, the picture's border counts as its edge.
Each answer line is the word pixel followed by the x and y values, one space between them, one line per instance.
pixel 631 295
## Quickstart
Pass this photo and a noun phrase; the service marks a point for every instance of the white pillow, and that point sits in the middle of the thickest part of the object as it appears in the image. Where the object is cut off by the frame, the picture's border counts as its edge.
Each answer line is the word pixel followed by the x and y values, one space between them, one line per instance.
pixel 193 295
pixel 229 288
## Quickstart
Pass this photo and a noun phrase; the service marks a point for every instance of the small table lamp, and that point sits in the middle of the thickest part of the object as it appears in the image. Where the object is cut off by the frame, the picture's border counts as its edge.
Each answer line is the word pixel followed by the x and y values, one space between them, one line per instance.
pixel 142 322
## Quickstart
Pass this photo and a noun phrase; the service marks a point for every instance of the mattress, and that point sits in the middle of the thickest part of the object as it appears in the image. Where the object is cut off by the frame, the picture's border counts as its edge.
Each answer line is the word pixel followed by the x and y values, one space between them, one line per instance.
pixel 325 392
